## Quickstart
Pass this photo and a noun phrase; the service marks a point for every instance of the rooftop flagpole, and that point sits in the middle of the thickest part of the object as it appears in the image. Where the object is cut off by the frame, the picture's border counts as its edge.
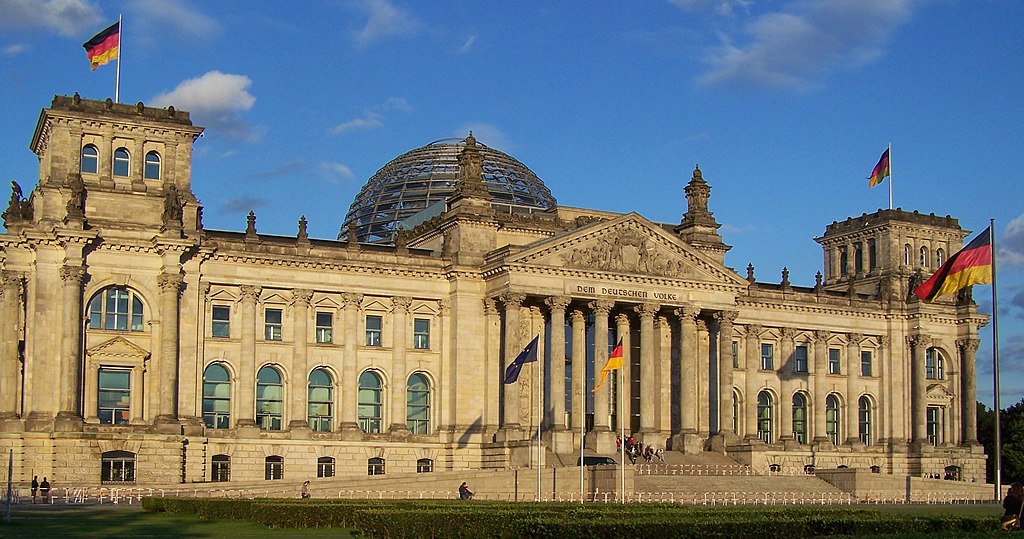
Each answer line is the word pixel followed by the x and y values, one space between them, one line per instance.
pixel 582 413
pixel 120 51
pixel 995 362
pixel 540 415
pixel 890 175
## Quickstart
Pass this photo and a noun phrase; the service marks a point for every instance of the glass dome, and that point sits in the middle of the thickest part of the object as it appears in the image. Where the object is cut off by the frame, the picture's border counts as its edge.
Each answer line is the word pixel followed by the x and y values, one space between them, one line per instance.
pixel 425 177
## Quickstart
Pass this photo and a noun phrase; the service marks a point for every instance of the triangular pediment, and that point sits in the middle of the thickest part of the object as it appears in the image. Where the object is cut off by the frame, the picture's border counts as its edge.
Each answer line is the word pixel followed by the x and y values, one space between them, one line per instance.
pixel 629 244
pixel 118 347
pixel 938 392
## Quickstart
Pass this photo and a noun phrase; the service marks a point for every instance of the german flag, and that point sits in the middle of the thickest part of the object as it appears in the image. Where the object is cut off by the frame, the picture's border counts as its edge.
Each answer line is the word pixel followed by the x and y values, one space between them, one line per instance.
pixel 880 171
pixel 970 265
pixel 614 362
pixel 103 47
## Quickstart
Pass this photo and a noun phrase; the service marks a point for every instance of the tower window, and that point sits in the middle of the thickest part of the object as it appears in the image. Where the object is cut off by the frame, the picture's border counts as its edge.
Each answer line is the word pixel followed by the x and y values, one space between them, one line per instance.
pixel 152 168
pixel 122 162
pixel 90 159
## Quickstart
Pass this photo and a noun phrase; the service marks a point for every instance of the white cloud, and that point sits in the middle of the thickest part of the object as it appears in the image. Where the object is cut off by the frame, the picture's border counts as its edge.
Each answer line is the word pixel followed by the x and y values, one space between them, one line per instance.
pixel 67 17
pixel 791 48
pixel 14 49
pixel 337 172
pixel 384 20
pixel 172 18
pixel 373 117
pixel 468 44
pixel 720 7
pixel 215 100
pixel 1011 244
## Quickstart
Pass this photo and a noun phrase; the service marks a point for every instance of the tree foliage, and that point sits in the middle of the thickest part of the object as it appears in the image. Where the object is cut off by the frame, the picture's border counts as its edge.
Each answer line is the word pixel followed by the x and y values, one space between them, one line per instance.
pixel 1011 427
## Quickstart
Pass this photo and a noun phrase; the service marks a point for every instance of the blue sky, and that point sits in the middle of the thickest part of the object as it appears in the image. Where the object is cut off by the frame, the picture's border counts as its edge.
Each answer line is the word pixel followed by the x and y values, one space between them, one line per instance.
pixel 785 104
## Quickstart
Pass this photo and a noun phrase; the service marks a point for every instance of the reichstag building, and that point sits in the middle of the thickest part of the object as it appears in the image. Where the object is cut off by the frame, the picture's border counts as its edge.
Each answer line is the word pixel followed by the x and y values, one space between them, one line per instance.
pixel 140 347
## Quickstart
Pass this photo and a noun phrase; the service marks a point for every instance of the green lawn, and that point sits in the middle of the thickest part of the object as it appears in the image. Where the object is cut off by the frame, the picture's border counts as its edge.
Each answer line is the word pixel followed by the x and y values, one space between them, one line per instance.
pixel 55 521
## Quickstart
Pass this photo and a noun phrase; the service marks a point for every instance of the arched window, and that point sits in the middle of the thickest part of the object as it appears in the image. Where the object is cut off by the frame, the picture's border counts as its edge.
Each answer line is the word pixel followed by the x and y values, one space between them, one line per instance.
pixel 220 469
pixel 152 169
pixel 764 416
pixel 122 162
pixel 864 420
pixel 273 467
pixel 269 398
pixel 832 418
pixel 906 254
pixel 736 413
pixel 800 418
pixel 325 467
pixel 117 467
pixel 114 392
pixel 321 401
pixel 375 466
pixel 216 397
pixel 424 465
pixel 940 257
pixel 924 257
pixel 934 368
pixel 417 404
pixel 90 159
pixel 370 402
pixel 116 308
pixel 843 261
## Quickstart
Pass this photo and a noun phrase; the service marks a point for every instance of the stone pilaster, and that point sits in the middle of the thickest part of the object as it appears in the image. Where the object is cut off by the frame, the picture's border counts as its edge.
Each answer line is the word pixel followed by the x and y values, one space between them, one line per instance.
pixel 918 382
pixel 852 394
pixel 752 363
pixel 786 370
pixel 349 398
pixel 725 319
pixel 10 369
pixel 299 392
pixel 399 429
pixel 817 409
pixel 511 429
pixel 170 300
pixel 69 416
pixel 246 408
pixel 969 389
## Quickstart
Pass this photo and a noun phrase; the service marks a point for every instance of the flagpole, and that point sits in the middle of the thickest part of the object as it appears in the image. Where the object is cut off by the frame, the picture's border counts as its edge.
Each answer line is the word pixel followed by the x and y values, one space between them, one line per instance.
pixel 995 360
pixel 120 51
pixel 890 175
pixel 622 435
pixel 583 412
pixel 540 415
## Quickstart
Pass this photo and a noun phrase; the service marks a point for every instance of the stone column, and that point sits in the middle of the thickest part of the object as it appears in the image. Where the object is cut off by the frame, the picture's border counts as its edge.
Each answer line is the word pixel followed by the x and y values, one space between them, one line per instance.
pixel 624 411
pixel 513 345
pixel 10 369
pixel 852 395
pixel 725 369
pixel 918 387
pixel 882 415
pixel 649 391
pixel 817 408
pixel 399 377
pixel 298 389
pixel 686 437
pixel 493 370
pixel 969 389
pixel 601 402
pixel 170 312
pixel 557 354
pixel 752 360
pixel 786 371
pixel 246 408
pixel 351 305
pixel 703 379
pixel 579 369
pixel 69 417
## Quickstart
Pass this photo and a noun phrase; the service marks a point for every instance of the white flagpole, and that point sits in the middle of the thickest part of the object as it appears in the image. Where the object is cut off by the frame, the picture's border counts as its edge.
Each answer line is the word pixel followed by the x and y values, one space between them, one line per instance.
pixel 120 51
pixel 582 414
pixel 540 415
pixel 889 151
pixel 622 435
pixel 995 360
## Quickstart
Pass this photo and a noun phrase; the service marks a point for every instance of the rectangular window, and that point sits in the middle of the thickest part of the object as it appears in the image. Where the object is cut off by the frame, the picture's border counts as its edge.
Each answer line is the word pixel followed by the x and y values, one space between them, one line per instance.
pixel 933 425
pixel 421 334
pixel 735 355
pixel 865 363
pixel 114 396
pixel 324 328
pixel 325 467
pixel 767 356
pixel 272 324
pixel 800 358
pixel 374 324
pixel 858 258
pixel 834 361
pixel 221 469
pixel 221 325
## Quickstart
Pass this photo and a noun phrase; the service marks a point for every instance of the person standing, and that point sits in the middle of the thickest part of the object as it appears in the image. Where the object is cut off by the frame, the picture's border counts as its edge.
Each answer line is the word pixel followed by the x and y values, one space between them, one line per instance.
pixel 44 489
pixel 305 490
pixel 35 487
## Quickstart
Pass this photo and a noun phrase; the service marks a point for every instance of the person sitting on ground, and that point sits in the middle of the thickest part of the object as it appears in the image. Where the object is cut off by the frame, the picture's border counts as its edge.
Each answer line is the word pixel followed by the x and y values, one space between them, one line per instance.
pixel 305 489
pixel 660 453
pixel 1012 506
pixel 464 492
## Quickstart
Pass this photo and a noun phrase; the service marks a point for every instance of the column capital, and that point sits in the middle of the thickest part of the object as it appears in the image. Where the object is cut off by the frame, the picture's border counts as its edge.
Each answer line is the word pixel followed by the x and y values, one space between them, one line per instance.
pixel 11 278
pixel 754 330
pixel 250 293
pixel 353 299
pixel 885 341
pixel 647 310
pixel 577 316
pixel 622 319
pixel 702 324
pixel 787 333
pixel 170 282
pixel 401 303
pixel 854 338
pixel 204 288
pixel 726 317
pixel 820 335
pixel 601 306
pixel 688 313
pixel 557 303
pixel 302 296
pixel 919 340
pixel 444 306
pixel 490 306
pixel 512 300
pixel 73 275
pixel 969 344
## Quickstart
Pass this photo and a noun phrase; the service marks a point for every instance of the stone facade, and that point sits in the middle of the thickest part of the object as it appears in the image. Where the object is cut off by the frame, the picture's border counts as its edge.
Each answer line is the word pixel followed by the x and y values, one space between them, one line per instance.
pixel 138 346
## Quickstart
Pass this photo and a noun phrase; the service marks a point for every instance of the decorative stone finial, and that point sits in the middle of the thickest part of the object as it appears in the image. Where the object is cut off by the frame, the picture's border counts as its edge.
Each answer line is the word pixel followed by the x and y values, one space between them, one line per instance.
pixel 785 277
pixel 250 227
pixel 302 228
pixel 750 273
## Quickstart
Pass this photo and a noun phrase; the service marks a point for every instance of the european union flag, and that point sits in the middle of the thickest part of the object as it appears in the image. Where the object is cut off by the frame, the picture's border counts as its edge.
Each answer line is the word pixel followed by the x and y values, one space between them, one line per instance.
pixel 527 355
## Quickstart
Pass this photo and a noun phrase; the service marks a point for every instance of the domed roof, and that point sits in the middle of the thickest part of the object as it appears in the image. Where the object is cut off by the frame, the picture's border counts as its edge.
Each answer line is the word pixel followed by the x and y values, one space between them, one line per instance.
pixel 421 178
